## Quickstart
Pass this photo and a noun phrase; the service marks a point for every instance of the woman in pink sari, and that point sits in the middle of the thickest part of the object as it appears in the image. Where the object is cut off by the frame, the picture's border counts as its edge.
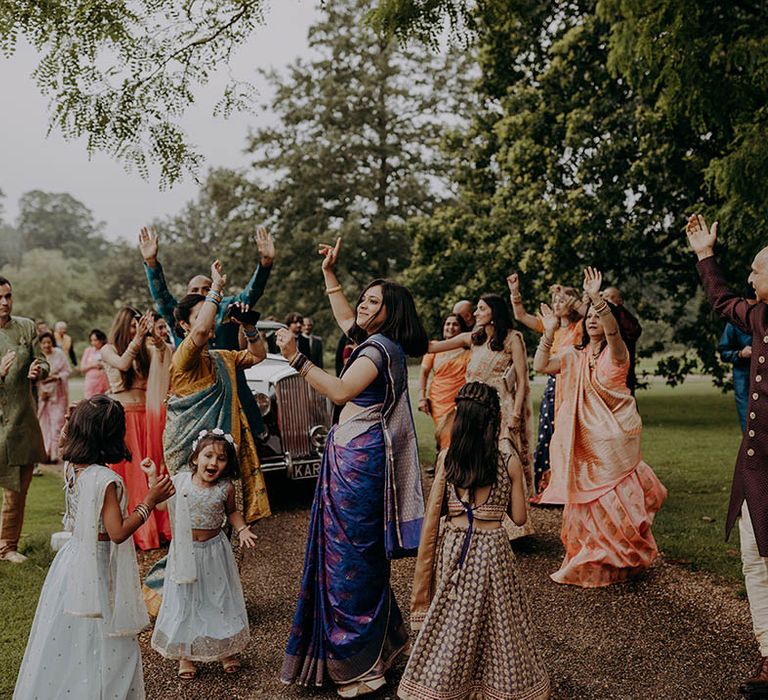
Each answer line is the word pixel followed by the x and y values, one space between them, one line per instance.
pixel 610 494
pixel 53 395
pixel 92 367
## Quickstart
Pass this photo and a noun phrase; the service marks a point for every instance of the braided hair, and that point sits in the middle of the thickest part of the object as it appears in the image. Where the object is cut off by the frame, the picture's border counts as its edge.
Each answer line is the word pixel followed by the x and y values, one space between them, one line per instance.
pixel 95 432
pixel 473 456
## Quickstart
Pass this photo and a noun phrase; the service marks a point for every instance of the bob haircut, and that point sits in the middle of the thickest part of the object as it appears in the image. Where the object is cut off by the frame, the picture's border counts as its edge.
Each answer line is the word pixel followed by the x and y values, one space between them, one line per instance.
pixel 183 311
pixel 501 319
pixel 232 470
pixel 46 334
pixel 463 327
pixel 120 336
pixel 585 336
pixel 95 432
pixel 99 335
pixel 402 325
pixel 473 456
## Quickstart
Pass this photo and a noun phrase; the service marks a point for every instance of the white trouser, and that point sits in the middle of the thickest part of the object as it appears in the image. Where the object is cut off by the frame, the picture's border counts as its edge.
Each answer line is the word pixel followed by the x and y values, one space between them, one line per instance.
pixel 755 570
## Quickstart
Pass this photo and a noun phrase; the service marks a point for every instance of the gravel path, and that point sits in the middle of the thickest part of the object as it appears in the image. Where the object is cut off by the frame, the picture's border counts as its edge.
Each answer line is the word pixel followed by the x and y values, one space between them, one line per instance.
pixel 673 634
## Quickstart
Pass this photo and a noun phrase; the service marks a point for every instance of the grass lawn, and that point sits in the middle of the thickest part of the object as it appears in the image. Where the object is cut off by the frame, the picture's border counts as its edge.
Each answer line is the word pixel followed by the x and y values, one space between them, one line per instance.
pixel 690 439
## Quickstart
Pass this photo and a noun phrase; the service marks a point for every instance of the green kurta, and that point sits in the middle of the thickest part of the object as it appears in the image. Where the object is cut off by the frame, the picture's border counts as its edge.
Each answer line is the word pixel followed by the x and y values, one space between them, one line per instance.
pixel 21 441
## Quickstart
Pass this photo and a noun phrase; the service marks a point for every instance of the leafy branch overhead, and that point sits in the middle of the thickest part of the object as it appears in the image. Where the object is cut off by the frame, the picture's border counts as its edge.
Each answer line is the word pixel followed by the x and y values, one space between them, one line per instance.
pixel 122 74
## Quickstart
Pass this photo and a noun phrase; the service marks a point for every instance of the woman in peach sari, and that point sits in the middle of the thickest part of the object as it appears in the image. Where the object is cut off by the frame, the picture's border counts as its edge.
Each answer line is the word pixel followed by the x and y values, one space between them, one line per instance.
pixel 610 494
pixel 449 370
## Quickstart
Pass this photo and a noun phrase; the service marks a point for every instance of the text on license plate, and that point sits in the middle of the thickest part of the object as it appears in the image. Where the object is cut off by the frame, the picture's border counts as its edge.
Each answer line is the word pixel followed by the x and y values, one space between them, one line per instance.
pixel 306 471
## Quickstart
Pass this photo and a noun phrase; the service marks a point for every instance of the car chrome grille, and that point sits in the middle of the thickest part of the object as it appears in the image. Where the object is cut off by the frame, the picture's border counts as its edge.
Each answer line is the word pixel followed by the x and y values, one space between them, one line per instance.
pixel 299 408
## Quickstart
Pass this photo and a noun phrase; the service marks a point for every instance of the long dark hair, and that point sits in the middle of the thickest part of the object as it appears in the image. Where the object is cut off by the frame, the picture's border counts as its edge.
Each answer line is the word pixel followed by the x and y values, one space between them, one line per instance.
pixel 95 432
pixel 120 336
pixel 585 336
pixel 473 456
pixel 232 470
pixel 402 324
pixel 184 309
pixel 501 319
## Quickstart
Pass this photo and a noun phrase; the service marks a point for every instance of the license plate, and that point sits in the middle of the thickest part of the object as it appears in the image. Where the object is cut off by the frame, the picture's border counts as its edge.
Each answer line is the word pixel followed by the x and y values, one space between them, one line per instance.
pixel 306 471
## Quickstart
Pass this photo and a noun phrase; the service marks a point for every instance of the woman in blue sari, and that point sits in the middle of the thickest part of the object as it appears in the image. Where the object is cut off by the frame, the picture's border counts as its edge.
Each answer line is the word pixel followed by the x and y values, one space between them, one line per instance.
pixel 368 505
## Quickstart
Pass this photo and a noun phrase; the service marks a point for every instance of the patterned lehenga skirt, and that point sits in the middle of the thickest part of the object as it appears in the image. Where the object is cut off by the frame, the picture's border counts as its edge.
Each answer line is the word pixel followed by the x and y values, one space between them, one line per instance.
pixel 476 641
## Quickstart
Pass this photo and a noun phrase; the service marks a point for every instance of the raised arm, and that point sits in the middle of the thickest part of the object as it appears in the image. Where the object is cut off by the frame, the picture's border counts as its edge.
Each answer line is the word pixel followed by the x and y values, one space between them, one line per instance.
pixel 123 362
pixel 258 282
pixel 521 315
pixel 543 363
pixel 592 280
pixel 165 302
pixel 342 311
pixel 724 301
pixel 205 322
pixel 357 377
pixel 120 528
pixel 462 340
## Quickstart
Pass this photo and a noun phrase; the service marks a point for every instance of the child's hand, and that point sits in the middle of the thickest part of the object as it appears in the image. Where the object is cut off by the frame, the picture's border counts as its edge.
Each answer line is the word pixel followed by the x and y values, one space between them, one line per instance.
pixel 247 538
pixel 150 469
pixel 162 490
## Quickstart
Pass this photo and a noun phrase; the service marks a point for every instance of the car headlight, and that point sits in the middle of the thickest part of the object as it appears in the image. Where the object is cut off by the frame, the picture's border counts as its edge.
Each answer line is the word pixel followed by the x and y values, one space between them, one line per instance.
pixel 264 403
pixel 318 435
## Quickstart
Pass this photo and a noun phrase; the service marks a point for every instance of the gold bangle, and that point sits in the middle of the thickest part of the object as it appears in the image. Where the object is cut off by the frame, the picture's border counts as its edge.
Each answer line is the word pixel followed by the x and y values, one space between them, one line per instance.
pixel 333 290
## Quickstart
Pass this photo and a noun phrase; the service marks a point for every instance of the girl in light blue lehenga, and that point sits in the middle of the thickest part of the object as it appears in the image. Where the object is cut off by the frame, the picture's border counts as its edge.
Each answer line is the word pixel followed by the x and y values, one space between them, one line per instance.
pixel 83 639
pixel 368 505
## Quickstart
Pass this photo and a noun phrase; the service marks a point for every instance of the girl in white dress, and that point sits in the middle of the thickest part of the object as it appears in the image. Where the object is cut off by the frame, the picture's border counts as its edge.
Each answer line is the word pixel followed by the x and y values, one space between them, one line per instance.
pixel 83 639
pixel 202 616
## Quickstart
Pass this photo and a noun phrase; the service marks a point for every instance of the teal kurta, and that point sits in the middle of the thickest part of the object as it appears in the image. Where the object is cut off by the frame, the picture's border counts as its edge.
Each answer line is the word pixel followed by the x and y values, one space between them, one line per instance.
pixel 21 441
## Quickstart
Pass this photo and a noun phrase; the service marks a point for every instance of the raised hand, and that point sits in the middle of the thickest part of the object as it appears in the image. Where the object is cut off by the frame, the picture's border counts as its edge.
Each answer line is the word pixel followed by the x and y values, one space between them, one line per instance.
pixel 162 490
pixel 150 469
pixel 6 361
pixel 218 278
pixel 286 341
pixel 548 318
pixel 266 247
pixel 700 237
pixel 330 254
pixel 35 370
pixel 145 325
pixel 513 282
pixel 148 244
pixel 593 278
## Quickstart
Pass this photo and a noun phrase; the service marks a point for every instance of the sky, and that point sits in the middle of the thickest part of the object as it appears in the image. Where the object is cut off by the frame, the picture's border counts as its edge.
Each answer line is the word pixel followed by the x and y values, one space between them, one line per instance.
pixel 124 201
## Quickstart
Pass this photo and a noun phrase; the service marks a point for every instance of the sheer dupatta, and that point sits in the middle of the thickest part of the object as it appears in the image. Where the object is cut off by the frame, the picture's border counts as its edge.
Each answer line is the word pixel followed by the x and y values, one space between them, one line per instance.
pixel 403 495
pixel 128 615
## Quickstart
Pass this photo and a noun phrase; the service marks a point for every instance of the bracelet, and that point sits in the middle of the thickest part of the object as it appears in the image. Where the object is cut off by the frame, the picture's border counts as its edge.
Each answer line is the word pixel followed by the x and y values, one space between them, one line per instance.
pixel 333 290
pixel 251 335
pixel 308 365
pixel 142 509
pixel 602 308
pixel 244 527
pixel 298 361
pixel 545 345
pixel 516 298
pixel 213 298
pixel 132 349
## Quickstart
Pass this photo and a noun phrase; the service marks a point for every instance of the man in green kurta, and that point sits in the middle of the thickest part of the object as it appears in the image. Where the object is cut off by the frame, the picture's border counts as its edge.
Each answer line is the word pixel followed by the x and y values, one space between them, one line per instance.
pixel 21 442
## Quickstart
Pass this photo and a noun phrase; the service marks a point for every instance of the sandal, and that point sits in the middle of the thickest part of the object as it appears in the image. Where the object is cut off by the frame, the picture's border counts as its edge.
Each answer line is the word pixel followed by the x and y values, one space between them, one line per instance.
pixel 187 670
pixel 358 688
pixel 231 665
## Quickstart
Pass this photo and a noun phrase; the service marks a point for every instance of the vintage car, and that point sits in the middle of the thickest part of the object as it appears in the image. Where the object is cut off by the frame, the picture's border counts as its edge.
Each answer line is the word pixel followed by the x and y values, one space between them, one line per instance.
pixel 296 417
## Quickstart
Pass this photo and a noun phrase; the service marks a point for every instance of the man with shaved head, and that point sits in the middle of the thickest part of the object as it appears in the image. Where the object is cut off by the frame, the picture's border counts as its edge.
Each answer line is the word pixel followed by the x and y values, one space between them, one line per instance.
pixel 226 334
pixel 749 490
pixel 466 310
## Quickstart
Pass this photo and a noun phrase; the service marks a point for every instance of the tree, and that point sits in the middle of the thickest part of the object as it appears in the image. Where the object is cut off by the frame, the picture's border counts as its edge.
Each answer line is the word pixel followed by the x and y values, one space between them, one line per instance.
pixel 356 153
pixel 58 221
pixel 122 74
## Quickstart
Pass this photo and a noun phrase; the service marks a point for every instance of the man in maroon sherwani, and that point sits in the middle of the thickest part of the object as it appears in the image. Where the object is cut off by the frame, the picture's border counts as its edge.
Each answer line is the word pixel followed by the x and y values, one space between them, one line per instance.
pixel 749 490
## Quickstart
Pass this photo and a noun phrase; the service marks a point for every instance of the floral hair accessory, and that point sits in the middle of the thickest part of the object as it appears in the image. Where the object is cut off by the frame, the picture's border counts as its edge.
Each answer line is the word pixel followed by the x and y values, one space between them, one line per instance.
pixel 216 432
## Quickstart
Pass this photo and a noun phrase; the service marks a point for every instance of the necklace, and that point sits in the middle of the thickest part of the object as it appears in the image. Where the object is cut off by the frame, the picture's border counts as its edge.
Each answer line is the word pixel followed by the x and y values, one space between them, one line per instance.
pixel 593 357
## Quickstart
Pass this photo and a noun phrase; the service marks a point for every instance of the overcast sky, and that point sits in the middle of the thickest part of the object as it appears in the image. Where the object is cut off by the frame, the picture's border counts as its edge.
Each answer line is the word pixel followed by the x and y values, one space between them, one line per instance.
pixel 29 160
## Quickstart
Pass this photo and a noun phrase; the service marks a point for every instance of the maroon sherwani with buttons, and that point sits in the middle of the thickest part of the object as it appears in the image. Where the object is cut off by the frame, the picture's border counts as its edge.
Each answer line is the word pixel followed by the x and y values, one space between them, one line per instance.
pixel 750 479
